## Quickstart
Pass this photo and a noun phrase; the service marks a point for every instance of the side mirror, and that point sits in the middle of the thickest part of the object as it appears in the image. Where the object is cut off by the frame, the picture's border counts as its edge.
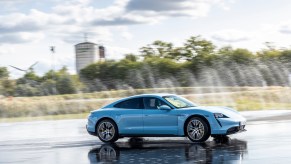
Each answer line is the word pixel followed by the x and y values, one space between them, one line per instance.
pixel 165 107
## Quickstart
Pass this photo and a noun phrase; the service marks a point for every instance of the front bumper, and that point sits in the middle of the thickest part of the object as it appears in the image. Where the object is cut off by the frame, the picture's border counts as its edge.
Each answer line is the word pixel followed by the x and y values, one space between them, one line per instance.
pixel 236 129
pixel 227 126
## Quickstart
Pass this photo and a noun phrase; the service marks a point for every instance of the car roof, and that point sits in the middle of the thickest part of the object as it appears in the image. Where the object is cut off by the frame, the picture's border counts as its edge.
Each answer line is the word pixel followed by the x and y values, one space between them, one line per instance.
pixel 138 96
pixel 152 95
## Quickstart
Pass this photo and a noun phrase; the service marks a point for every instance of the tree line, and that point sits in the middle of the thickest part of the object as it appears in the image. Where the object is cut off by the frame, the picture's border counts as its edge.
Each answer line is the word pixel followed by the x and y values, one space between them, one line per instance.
pixel 198 62
pixel 51 83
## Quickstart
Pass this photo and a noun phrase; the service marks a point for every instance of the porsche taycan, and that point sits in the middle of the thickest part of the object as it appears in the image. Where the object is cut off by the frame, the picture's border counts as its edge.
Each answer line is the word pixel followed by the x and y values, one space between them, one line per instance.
pixel 162 115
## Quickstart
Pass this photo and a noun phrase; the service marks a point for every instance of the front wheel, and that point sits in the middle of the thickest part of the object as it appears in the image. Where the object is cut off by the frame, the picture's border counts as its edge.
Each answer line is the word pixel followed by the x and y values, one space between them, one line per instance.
pixel 107 131
pixel 197 130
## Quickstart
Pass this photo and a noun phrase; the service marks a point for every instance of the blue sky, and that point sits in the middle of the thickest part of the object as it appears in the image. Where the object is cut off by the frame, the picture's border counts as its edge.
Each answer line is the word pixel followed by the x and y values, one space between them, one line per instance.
pixel 29 27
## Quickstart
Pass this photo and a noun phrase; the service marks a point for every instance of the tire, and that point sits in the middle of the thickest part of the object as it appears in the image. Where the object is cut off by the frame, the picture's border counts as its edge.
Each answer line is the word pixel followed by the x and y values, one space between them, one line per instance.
pixel 107 131
pixel 197 129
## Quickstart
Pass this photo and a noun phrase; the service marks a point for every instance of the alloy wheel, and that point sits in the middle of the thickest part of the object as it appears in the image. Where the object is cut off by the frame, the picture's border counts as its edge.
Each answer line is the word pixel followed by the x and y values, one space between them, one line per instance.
pixel 195 129
pixel 106 131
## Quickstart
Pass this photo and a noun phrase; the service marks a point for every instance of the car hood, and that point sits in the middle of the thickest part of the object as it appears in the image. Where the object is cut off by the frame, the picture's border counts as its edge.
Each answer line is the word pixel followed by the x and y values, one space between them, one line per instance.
pixel 229 112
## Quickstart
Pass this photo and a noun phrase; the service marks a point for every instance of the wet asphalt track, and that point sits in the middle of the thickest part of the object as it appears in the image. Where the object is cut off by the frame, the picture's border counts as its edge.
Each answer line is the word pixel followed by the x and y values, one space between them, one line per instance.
pixel 268 140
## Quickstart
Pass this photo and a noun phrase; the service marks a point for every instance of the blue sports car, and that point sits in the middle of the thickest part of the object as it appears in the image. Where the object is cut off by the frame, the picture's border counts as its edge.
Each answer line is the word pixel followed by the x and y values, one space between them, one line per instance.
pixel 158 115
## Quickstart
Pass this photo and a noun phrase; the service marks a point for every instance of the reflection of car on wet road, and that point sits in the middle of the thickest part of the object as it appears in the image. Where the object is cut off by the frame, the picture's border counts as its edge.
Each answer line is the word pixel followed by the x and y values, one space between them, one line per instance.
pixel 162 115
pixel 168 152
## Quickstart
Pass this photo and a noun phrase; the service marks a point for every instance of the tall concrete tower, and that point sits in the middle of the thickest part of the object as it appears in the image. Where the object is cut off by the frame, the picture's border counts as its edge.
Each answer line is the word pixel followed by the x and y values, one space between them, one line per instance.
pixel 88 53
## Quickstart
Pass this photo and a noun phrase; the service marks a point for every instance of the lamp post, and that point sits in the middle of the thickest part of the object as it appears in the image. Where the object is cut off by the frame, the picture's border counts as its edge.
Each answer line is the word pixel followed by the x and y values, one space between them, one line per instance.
pixel 53 50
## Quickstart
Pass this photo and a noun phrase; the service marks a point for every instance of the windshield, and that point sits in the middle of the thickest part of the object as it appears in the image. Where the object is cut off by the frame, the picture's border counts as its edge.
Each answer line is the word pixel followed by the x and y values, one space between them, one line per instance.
pixel 179 102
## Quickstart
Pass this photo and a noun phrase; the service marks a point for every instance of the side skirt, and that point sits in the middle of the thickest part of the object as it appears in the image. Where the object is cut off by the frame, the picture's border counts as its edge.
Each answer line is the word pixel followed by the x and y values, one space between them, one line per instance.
pixel 150 135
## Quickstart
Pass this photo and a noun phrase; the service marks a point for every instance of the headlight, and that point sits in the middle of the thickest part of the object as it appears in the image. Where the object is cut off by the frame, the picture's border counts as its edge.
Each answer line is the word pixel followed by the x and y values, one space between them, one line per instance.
pixel 219 115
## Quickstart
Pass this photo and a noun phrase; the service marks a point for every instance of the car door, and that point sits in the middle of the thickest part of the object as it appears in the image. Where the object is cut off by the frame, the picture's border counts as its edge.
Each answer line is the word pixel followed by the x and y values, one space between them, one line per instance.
pixel 156 121
pixel 129 116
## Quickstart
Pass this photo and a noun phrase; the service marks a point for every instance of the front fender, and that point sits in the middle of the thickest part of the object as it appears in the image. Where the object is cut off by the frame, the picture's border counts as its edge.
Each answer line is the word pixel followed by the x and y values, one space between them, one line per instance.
pixel 182 120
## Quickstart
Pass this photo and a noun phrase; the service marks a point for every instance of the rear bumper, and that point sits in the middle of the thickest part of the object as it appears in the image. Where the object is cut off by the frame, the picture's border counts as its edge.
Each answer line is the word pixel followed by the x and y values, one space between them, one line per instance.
pixel 91 125
pixel 90 132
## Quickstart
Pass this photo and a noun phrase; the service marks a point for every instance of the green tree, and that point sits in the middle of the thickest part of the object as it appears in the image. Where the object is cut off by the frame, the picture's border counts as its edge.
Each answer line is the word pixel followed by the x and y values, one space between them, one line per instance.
pixel 4 73
pixel 8 87
pixel 27 90
pixel 285 56
pixel 158 49
pixel 239 55
pixel 197 46
pixel 131 57
pixel 65 85
pixel 49 87
pixel 51 74
pixel 242 56
pixel 31 75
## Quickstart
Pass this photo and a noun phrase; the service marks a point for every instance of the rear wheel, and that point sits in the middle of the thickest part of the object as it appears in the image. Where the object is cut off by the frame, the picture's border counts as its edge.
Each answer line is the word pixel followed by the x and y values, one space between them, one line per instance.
pixel 107 131
pixel 197 130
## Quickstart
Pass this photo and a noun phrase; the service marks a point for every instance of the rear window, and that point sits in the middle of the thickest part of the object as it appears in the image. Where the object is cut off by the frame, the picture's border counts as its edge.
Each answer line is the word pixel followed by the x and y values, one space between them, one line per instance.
pixel 135 103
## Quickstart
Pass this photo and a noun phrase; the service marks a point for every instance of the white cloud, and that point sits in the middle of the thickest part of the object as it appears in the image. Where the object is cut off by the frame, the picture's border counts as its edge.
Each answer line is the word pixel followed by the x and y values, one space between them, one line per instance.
pixel 126 35
pixel 115 52
pixel 63 23
pixel 285 28
pixel 231 35
pixel 21 37
pixel 124 32
pixel 33 21
pixel 21 22
pixel 225 5
pixel 80 2
pixel 6 50
pixel 170 8
pixel 78 16
pixel 67 21
pixel 76 35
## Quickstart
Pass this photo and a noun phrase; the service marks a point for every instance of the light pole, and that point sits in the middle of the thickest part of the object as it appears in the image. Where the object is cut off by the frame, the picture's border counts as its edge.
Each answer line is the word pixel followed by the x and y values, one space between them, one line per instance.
pixel 53 50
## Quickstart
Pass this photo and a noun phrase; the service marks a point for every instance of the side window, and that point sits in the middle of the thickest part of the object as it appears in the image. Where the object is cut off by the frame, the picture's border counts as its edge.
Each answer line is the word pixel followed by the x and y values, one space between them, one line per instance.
pixel 135 103
pixel 153 103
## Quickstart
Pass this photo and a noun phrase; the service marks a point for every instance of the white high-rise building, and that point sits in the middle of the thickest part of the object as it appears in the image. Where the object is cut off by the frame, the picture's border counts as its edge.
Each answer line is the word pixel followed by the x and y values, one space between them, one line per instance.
pixel 88 53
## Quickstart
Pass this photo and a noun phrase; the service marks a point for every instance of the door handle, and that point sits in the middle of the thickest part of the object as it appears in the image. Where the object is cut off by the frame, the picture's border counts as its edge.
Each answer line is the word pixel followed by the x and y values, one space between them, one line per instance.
pixel 146 115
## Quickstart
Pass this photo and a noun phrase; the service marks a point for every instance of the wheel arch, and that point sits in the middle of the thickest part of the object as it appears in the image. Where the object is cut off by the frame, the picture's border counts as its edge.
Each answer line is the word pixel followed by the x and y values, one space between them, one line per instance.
pixel 105 118
pixel 199 116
